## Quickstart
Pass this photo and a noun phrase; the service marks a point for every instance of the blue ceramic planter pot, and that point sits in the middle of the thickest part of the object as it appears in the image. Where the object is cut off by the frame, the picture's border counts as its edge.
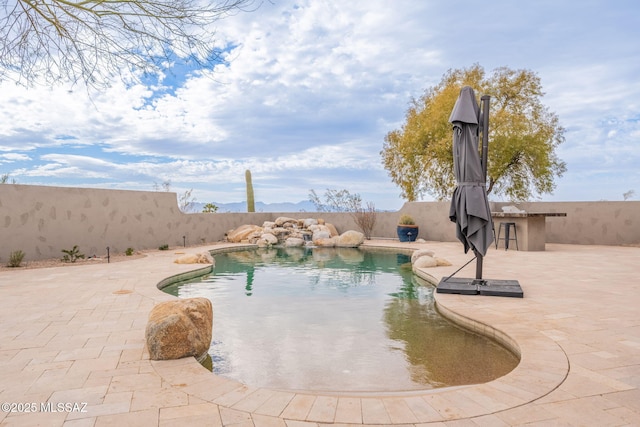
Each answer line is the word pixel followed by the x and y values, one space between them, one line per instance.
pixel 407 233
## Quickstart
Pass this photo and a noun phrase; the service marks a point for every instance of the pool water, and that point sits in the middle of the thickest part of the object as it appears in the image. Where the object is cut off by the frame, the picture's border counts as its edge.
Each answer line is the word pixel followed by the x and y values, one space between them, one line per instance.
pixel 328 319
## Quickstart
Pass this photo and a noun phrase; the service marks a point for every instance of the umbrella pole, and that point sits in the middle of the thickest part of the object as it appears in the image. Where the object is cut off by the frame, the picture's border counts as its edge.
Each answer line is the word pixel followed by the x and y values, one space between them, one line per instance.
pixel 479 268
pixel 485 134
pixel 485 148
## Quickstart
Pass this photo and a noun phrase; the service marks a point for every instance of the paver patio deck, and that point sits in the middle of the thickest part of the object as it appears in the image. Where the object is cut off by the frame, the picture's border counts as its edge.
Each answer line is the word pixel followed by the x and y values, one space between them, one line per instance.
pixel 75 335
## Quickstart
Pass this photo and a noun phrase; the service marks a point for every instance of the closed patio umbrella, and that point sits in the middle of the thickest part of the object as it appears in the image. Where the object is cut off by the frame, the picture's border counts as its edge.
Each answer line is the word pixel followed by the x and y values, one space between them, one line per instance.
pixel 469 205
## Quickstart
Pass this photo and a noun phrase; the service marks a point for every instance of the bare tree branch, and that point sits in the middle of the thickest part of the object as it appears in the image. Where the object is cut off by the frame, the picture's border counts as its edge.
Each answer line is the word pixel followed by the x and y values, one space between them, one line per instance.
pixel 93 41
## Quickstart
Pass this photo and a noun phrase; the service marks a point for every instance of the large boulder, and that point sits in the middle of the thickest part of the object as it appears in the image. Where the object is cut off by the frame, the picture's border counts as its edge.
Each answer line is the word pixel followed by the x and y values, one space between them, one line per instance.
pixel 178 329
pixel 266 240
pixel 332 229
pixel 244 232
pixel 420 253
pixel 349 239
pixel 294 242
pixel 320 234
pixel 201 258
pixel 325 242
pixel 282 220
pixel 425 261
pixel 308 222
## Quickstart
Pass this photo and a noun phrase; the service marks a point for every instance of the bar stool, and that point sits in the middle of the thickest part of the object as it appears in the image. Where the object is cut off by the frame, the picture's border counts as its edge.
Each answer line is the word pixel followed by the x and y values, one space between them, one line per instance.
pixel 507 227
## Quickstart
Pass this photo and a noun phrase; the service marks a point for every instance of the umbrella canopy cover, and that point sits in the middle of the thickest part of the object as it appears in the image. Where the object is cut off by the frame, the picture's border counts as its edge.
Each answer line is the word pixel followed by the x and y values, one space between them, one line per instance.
pixel 469 206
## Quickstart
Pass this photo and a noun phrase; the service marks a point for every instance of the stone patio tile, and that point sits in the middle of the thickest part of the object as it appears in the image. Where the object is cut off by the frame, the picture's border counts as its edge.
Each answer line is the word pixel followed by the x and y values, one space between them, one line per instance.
pixel 628 398
pixel 234 396
pixel 452 405
pixel 232 416
pixel 591 411
pixel 422 410
pixel 133 382
pixel 90 395
pixel 33 356
pixel 527 414
pixel 194 420
pixel 254 400
pixel 98 410
pixel 299 407
pixel 490 398
pixel 129 419
pixel 374 411
pixel 89 365
pixel 81 422
pixel 628 416
pixel 512 390
pixel 130 352
pixel 205 410
pixel 54 383
pixel 438 424
pixel 79 353
pixel 110 373
pixel 583 382
pixel 399 411
pixel 181 371
pixel 153 398
pixel 349 410
pixel 41 368
pixel 210 389
pixel 275 404
pixel 323 409
pixel 485 420
pixel 295 423
pixel 267 421
pixel 34 419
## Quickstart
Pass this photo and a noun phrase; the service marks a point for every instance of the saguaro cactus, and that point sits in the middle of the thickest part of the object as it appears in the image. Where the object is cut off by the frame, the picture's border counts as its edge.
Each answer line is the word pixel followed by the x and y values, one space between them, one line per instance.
pixel 251 205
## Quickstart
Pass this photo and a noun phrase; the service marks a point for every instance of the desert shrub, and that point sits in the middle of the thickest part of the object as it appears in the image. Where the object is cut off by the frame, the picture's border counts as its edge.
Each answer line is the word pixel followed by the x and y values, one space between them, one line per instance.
pixel 365 218
pixel 72 255
pixel 164 247
pixel 15 258
pixel 129 251
pixel 406 220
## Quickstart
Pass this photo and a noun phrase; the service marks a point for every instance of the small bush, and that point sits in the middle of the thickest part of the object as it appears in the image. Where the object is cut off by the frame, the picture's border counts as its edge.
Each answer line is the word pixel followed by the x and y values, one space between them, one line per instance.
pixel 406 220
pixel 129 251
pixel 164 247
pixel 72 255
pixel 15 258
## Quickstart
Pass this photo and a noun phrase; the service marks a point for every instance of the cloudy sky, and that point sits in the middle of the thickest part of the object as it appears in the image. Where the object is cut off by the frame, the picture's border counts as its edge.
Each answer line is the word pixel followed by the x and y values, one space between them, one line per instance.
pixel 311 88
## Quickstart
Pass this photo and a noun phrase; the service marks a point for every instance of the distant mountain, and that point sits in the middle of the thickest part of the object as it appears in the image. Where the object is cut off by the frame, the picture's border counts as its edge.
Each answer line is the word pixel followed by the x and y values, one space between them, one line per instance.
pixel 303 206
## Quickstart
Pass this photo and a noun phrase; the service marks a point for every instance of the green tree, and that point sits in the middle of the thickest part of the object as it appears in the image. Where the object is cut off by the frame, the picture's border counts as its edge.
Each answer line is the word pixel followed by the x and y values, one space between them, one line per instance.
pixel 94 40
pixel 523 137
pixel 209 208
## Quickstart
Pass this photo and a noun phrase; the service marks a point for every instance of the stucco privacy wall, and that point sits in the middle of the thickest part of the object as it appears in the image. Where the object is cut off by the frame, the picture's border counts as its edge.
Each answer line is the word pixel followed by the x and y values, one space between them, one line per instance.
pixel 42 221
pixel 586 223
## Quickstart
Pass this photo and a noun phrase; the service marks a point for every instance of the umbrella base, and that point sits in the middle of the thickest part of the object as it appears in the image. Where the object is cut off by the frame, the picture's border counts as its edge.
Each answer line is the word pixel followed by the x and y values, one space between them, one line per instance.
pixel 487 287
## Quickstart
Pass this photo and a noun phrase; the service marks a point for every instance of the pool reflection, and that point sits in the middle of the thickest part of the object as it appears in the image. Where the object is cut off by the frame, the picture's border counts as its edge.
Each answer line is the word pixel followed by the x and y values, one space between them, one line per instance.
pixel 336 319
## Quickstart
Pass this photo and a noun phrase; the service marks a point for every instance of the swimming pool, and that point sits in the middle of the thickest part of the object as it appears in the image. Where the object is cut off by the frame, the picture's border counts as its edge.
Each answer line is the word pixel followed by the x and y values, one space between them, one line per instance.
pixel 329 319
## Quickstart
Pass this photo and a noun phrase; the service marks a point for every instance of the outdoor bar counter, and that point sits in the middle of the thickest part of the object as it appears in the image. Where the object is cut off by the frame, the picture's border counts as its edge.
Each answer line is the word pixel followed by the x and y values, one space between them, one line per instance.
pixel 530 228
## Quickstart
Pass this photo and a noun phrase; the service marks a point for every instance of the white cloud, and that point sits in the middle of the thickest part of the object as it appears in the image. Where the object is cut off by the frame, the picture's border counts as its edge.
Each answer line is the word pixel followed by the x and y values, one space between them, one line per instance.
pixel 311 88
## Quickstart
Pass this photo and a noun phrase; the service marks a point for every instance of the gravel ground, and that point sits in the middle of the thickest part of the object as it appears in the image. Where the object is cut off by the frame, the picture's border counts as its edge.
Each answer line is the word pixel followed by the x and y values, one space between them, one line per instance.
pixel 57 262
